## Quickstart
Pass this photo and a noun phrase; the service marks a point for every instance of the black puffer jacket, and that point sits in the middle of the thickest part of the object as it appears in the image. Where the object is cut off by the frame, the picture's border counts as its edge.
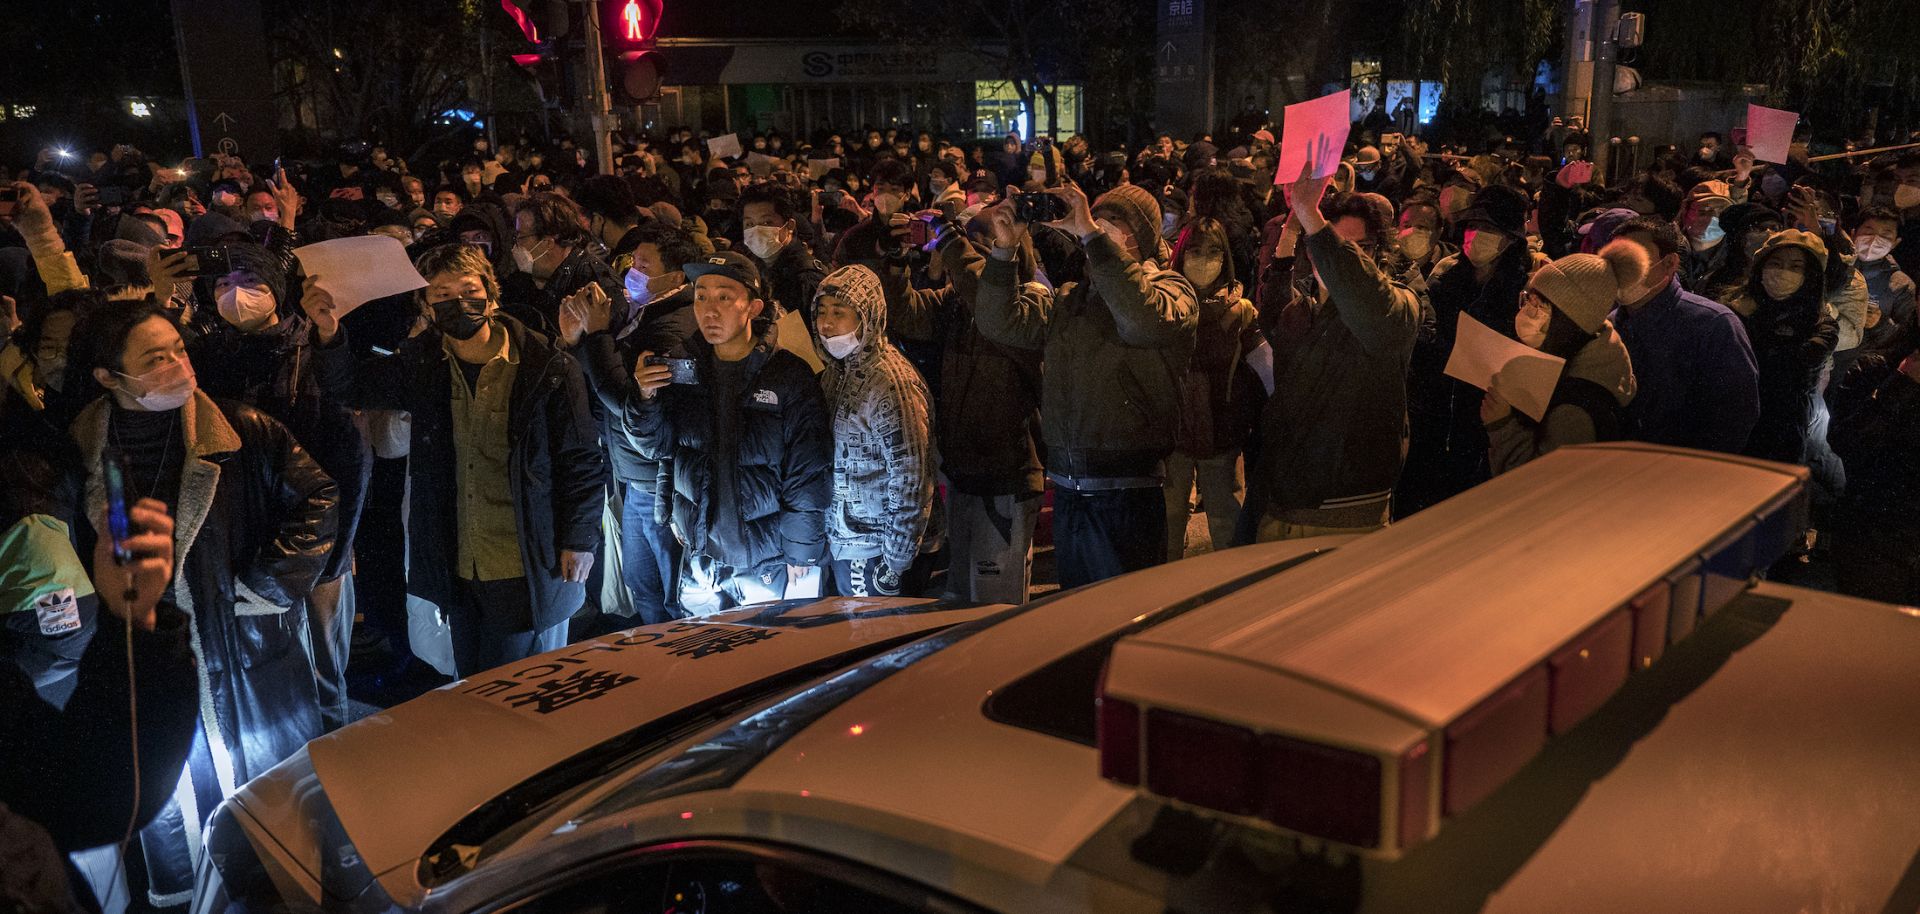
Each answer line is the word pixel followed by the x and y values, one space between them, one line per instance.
pixel 783 468
pixel 556 468
pixel 256 517
pixel 609 357
pixel 987 425
pixel 1791 343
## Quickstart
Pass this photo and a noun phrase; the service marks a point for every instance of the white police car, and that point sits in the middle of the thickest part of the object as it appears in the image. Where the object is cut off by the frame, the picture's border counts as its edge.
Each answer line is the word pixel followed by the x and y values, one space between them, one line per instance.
pixel 1558 691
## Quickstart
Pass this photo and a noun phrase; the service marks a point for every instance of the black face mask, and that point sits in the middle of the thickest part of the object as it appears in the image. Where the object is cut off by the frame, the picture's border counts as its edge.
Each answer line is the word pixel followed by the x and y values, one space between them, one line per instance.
pixel 459 318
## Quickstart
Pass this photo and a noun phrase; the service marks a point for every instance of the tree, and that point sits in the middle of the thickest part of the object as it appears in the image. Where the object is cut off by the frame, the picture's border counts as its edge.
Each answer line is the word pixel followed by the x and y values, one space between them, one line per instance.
pixel 383 70
pixel 1461 41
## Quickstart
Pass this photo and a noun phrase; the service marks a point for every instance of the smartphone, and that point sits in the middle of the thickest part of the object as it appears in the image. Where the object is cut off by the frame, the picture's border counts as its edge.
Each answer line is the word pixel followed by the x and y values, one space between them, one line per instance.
pixel 681 371
pixel 112 194
pixel 831 198
pixel 1038 207
pixel 8 198
pixel 209 259
pixel 119 528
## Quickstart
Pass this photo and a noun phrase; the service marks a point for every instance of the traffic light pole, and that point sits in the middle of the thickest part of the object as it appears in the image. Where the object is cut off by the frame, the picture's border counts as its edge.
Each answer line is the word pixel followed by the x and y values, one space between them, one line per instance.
pixel 598 110
pixel 1606 28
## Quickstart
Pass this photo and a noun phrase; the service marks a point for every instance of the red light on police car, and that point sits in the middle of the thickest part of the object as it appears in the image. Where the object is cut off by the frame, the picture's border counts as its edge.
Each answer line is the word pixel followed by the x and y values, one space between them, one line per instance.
pixel 1201 762
pixel 1320 790
pixel 1118 739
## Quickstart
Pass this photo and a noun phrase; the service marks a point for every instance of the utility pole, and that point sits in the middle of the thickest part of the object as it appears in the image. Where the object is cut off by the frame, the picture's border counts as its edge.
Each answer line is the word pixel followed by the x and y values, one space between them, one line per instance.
pixel 597 106
pixel 1606 28
pixel 1576 86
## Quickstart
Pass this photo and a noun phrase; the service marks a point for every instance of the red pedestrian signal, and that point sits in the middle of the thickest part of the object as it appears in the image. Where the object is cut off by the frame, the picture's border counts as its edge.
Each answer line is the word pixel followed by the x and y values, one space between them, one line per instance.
pixel 630 23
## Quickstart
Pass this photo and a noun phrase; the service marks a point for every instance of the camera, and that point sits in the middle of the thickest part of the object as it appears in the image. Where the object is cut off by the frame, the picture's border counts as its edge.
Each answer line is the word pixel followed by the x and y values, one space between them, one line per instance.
pixel 1038 207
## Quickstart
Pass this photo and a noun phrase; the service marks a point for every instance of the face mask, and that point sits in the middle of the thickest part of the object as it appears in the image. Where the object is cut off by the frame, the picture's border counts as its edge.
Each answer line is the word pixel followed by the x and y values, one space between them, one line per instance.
pixel 270 215
pixel 763 240
pixel 638 290
pixel 459 318
pixel 1906 196
pixel 1416 243
pixel 523 258
pixel 1530 326
pixel 51 373
pixel 841 346
pixel 1119 235
pixel 1484 248
pixel 1873 248
pixel 168 387
pixel 1169 222
pixel 1203 271
pixel 246 307
pixel 1710 236
pixel 1366 174
pixel 1781 282
pixel 1706 153
pixel 1037 174
pixel 887 204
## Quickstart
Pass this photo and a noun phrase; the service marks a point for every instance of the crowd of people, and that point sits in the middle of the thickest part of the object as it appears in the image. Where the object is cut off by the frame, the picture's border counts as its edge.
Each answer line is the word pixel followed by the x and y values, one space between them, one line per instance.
pixel 868 365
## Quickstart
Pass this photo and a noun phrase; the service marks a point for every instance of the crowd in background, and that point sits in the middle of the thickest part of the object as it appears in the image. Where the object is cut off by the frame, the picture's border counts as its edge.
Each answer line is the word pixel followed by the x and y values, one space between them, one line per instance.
pixel 876 364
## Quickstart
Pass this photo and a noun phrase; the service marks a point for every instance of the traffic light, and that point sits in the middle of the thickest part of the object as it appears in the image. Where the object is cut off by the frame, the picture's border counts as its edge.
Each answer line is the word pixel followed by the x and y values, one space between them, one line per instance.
pixel 629 24
pixel 539 20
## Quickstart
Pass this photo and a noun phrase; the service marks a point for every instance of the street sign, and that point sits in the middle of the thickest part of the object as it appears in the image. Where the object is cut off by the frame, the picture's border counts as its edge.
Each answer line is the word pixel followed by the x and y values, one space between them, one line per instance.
pixel 1183 67
pixel 230 108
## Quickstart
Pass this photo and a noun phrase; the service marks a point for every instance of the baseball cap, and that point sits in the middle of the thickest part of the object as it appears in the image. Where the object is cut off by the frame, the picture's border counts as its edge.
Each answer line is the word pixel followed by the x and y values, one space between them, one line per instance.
pixel 731 264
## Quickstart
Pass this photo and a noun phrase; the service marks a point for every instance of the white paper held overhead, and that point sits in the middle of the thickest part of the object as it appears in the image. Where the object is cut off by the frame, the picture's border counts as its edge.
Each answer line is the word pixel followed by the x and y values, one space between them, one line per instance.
pixel 1314 131
pixel 359 269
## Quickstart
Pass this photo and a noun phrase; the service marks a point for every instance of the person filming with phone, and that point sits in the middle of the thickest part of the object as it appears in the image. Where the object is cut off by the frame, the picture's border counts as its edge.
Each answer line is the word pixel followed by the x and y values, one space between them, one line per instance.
pixel 740 428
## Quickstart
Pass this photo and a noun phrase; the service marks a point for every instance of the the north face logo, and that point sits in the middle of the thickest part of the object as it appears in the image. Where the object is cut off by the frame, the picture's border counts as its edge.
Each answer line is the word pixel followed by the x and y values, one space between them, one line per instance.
pixel 767 397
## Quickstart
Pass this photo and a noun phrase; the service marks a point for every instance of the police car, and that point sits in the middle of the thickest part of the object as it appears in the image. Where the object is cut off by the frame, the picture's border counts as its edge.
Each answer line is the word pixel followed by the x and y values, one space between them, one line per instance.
pixel 1559 691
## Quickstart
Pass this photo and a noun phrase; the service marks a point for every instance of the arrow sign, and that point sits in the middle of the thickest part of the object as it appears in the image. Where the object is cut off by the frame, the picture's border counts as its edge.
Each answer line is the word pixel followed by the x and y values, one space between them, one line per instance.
pixel 1166 52
pixel 224 121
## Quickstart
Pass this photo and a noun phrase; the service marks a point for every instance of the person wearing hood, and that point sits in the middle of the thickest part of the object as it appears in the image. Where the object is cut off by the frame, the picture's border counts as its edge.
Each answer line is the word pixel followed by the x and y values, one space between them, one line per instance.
pixel 1793 338
pixel 1114 348
pixel 1563 313
pixel 881 521
pixel 1698 381
pixel 252 347
pixel 1706 235
pixel 1447 449
pixel 744 446
pixel 613 219
pixel 1220 394
pixel 507 480
pixel 552 261
pixel 607 338
pixel 1334 432
pixel 257 525
pixel 792 272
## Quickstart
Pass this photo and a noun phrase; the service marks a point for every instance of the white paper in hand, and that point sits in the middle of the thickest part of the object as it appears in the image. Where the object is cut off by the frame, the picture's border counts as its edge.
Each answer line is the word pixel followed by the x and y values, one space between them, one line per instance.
pixel 1314 130
pixel 1487 359
pixel 360 269
pixel 1261 361
pixel 1770 132
pixel 725 147
pixel 818 168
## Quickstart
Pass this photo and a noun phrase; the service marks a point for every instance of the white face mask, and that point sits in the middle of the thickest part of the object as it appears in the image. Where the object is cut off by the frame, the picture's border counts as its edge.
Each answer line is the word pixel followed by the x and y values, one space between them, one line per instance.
pixel 1906 196
pixel 1530 326
pixel 51 373
pixel 1037 174
pixel 246 307
pixel 1119 235
pixel 524 258
pixel 763 240
pixel 1874 248
pixel 1203 271
pixel 843 345
pixel 168 387
pixel 1416 243
pixel 1781 281
pixel 1485 247
pixel 638 287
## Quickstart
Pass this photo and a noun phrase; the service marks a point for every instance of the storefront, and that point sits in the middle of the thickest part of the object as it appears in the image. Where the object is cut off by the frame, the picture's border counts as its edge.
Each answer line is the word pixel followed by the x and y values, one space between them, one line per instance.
pixel 800 87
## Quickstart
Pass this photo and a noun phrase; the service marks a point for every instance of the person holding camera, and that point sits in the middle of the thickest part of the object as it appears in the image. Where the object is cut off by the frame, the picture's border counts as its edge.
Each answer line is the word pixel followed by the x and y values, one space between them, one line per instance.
pixel 1114 349
pixel 746 455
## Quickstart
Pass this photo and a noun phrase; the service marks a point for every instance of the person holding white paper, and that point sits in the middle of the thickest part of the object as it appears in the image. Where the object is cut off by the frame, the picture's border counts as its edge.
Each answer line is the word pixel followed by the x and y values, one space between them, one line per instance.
pixel 1563 313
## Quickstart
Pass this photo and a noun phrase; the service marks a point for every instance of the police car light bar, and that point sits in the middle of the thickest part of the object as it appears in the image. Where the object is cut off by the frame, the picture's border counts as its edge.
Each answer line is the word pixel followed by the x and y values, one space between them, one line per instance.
pixel 1365 696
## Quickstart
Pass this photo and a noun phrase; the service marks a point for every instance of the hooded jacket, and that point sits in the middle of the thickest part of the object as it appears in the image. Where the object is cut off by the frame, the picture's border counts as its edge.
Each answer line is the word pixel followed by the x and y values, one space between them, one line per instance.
pixel 1114 348
pixel 555 466
pixel 1588 405
pixel 608 358
pixel 883 458
pixel 782 466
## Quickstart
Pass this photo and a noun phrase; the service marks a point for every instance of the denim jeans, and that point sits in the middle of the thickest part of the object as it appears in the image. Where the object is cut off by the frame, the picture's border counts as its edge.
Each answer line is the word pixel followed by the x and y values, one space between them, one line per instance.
pixel 649 557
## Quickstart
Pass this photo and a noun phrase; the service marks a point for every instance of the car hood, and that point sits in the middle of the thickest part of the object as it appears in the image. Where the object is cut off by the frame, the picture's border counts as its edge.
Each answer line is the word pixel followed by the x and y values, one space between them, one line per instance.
pixel 399 780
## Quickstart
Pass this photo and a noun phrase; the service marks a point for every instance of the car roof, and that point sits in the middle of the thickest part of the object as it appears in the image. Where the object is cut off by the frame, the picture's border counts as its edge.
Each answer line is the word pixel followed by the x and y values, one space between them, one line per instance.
pixel 457 748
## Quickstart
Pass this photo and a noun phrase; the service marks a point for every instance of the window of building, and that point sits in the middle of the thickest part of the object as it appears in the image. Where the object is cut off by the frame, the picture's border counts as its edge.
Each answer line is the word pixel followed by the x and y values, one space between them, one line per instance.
pixel 998 111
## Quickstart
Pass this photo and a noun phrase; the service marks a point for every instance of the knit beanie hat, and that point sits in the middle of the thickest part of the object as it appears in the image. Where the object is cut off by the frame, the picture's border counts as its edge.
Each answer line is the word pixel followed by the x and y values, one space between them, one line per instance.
pixel 1140 213
pixel 122 263
pixel 1794 238
pixel 1584 286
